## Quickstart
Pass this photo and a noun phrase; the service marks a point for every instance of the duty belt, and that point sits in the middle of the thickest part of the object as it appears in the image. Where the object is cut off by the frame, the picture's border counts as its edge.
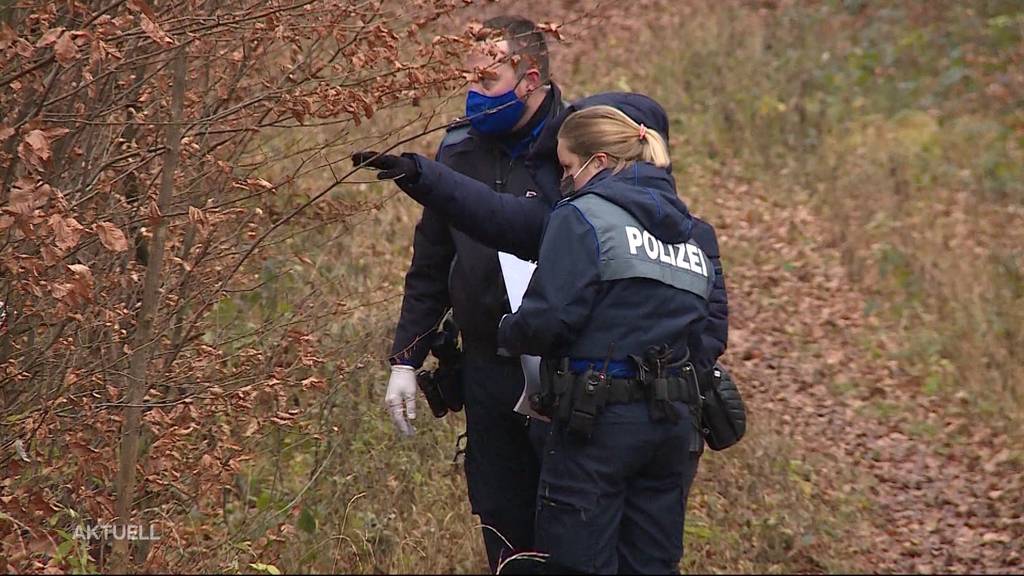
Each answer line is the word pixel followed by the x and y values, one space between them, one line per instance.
pixel 577 398
pixel 623 369
pixel 627 390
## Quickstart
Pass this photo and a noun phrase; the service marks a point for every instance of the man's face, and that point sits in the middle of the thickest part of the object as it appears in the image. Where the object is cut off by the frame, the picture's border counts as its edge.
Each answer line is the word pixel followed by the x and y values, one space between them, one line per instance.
pixel 494 72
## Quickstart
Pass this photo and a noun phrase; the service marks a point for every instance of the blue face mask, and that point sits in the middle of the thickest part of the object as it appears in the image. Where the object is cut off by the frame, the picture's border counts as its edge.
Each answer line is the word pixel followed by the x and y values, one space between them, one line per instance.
pixel 494 115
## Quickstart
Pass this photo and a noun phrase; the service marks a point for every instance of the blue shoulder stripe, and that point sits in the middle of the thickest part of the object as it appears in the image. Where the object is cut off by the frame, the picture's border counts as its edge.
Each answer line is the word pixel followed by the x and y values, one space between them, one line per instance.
pixel 454 135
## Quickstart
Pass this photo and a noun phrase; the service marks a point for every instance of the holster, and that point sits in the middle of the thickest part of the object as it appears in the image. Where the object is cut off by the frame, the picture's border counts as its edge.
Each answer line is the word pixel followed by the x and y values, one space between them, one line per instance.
pixel 443 386
pixel 653 370
pixel 574 400
pixel 553 376
pixel 589 396
pixel 425 381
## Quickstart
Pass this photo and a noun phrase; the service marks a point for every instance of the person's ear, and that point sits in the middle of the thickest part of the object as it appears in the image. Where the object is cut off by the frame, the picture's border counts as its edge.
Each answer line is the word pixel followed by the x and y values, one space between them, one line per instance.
pixel 531 82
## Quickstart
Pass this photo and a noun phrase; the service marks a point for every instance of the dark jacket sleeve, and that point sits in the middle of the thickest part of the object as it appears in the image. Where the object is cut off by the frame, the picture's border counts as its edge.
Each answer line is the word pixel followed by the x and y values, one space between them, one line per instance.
pixel 426 296
pixel 715 336
pixel 512 224
pixel 562 292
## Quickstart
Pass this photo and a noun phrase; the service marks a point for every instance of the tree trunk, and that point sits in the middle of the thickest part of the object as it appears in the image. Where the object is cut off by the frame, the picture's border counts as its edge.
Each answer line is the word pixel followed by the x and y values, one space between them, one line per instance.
pixel 141 350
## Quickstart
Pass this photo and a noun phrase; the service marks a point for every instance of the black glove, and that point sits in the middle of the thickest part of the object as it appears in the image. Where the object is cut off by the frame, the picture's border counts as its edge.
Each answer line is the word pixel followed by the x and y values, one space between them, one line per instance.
pixel 391 167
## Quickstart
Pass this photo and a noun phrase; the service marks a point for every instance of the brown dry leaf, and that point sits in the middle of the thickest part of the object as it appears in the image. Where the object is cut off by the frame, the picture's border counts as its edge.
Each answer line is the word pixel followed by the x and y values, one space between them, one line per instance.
pixel 35 289
pixel 314 382
pixel 110 50
pixel 55 133
pixel 208 461
pixel 251 428
pixel 142 6
pixel 7 36
pixel 39 144
pixel 59 290
pixel 260 182
pixel 553 28
pixel 51 255
pixel 24 49
pixel 67 231
pixel 154 31
pixel 65 50
pixel 82 281
pixel 196 216
pixel 111 236
pixel 49 37
pixel 154 214
pixel 22 198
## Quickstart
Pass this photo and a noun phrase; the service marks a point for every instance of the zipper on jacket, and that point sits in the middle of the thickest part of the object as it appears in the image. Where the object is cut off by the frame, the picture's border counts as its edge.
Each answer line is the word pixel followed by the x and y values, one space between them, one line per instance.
pixel 499 182
pixel 503 172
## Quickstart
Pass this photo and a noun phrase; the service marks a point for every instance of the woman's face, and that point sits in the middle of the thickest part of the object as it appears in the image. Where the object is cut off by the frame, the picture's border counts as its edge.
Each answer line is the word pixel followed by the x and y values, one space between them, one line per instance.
pixel 579 168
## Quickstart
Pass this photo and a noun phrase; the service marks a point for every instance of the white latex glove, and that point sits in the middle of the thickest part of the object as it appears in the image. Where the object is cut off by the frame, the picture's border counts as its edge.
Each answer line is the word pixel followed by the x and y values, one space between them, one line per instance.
pixel 400 398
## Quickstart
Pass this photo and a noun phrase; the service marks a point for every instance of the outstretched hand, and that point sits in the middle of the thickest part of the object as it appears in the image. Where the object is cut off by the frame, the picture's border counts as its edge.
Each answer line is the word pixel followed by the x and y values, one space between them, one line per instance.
pixel 391 167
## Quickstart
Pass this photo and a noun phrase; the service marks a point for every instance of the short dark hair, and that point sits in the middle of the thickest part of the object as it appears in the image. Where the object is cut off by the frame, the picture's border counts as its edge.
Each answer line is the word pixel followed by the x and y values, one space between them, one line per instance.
pixel 525 40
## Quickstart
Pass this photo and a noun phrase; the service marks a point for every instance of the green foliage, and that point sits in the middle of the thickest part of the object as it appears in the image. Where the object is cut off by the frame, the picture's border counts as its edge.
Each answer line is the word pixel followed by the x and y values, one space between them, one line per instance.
pixel 902 121
pixel 75 552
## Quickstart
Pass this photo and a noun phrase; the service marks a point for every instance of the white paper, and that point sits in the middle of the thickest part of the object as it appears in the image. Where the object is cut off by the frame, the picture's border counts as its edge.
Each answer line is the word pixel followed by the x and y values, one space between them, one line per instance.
pixel 517 274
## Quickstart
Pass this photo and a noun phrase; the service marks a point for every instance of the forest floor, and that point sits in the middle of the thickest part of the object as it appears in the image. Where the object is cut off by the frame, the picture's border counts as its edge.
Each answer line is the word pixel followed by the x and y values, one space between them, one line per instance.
pixel 940 491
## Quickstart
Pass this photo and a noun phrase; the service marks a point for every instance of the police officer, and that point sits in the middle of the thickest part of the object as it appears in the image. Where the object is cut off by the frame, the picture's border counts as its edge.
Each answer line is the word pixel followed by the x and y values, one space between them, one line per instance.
pixel 515 224
pixel 616 308
pixel 508 106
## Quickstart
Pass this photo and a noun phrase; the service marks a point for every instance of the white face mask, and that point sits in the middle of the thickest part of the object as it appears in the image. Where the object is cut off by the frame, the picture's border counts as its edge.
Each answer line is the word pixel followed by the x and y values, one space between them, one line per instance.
pixel 568 184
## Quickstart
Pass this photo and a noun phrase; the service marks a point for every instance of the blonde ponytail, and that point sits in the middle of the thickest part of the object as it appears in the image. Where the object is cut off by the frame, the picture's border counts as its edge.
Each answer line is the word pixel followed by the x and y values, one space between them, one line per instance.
pixel 609 130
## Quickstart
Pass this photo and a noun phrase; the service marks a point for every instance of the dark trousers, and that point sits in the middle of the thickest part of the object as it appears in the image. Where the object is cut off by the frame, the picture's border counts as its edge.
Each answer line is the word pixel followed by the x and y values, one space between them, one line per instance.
pixel 616 503
pixel 501 463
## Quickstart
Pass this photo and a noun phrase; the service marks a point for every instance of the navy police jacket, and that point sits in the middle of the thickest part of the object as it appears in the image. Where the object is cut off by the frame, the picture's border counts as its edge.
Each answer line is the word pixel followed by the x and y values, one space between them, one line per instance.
pixel 617 273
pixel 514 223
pixel 454 269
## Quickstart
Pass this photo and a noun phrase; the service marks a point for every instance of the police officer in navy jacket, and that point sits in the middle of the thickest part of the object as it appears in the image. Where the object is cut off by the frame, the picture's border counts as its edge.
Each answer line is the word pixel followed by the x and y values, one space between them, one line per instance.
pixel 508 106
pixel 618 278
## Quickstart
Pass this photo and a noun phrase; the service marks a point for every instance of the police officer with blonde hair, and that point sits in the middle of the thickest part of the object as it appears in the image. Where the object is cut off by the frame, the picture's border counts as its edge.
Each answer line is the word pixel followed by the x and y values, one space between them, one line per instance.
pixel 616 309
